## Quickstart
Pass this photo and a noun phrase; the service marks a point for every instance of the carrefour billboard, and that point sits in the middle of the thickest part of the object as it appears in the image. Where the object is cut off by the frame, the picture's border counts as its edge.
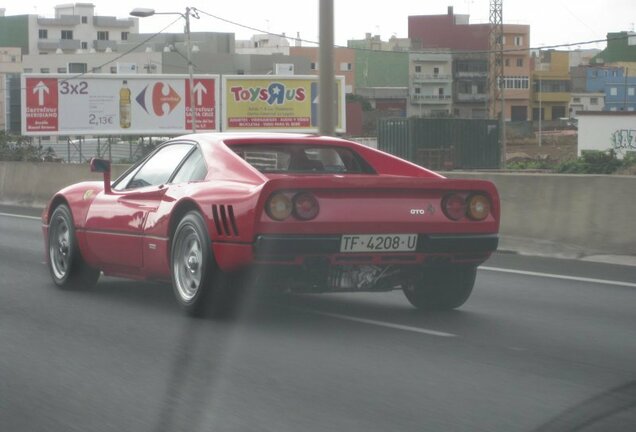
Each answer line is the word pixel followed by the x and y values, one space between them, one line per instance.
pixel 117 104
pixel 269 102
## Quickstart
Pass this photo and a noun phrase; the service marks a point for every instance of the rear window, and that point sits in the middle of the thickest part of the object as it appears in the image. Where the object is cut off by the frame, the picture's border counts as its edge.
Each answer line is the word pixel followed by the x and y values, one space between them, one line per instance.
pixel 303 159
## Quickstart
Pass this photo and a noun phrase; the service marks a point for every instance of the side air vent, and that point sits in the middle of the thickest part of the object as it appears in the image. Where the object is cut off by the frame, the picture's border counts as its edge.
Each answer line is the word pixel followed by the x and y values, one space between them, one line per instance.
pixel 224 220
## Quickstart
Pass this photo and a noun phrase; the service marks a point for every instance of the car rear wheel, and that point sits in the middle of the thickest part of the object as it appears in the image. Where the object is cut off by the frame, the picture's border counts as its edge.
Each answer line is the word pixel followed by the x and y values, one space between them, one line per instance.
pixel 66 264
pixel 441 289
pixel 200 287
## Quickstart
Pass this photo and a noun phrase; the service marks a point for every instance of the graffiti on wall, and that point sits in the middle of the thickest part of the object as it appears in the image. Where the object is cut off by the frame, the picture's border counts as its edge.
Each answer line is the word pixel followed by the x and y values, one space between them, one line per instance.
pixel 623 140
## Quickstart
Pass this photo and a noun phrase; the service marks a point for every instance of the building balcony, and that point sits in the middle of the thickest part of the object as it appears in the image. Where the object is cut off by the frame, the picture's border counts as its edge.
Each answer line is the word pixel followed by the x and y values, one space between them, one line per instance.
pixel 422 77
pixel 63 44
pixel 471 75
pixel 61 21
pixel 470 97
pixel 112 22
pixel 431 99
pixel 101 45
pixel 559 97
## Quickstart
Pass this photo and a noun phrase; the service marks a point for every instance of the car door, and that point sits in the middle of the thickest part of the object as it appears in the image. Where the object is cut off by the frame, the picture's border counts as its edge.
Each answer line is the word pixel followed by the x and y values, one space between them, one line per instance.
pixel 115 221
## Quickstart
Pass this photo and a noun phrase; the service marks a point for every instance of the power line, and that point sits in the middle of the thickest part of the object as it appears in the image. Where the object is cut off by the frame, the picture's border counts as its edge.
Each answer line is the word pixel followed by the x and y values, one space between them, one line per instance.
pixel 425 51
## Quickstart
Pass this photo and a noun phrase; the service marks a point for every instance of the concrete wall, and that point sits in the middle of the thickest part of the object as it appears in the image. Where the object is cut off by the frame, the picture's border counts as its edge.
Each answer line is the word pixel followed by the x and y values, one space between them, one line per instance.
pixel 606 130
pixel 33 183
pixel 582 214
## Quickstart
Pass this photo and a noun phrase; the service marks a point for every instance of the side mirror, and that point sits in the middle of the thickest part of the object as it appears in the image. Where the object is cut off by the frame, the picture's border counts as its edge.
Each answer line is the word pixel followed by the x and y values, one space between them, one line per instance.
pixel 102 166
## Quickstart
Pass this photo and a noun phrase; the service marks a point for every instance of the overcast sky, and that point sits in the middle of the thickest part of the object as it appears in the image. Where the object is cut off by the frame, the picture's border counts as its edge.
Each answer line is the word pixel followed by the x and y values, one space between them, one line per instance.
pixel 552 21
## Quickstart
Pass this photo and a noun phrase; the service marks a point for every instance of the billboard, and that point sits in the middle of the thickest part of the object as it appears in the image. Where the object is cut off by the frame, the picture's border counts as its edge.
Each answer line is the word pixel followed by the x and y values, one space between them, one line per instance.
pixel 117 104
pixel 275 103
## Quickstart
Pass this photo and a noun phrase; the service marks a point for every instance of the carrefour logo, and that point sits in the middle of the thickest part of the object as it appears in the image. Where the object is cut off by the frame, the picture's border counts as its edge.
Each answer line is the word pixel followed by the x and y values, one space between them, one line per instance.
pixel 164 99
pixel 274 94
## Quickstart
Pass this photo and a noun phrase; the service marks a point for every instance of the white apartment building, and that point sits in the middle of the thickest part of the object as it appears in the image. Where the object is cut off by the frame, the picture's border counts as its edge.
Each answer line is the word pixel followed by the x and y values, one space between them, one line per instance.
pixel 74 29
pixel 430 84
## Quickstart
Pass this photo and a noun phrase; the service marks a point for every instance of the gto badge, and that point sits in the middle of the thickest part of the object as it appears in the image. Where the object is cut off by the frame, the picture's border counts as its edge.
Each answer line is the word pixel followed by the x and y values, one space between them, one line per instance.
pixel 430 209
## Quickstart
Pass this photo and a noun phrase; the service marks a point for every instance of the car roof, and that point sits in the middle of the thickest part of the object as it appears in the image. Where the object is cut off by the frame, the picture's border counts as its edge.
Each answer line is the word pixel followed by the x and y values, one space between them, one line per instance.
pixel 232 138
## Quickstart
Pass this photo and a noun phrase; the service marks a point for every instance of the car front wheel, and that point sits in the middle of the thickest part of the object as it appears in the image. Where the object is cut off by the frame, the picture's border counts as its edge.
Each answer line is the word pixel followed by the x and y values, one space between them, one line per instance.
pixel 440 288
pixel 66 265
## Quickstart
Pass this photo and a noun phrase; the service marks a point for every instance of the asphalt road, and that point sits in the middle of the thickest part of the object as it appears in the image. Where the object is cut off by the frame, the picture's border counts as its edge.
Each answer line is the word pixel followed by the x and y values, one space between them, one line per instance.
pixel 541 345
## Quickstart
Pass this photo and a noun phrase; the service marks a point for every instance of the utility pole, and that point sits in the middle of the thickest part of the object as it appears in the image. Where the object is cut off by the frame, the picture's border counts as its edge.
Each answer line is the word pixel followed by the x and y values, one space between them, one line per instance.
pixel 496 67
pixel 327 81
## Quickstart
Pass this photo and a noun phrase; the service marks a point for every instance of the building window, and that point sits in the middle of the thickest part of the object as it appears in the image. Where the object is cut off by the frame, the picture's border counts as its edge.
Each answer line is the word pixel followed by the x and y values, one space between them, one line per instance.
pixel 345 67
pixel 519 61
pixel 314 66
pixel 45 70
pixel 124 36
pixel 630 91
pixel 418 90
pixel 435 71
pixel 518 40
pixel 517 82
pixel 418 69
pixel 13 59
pixel 61 70
pixel 113 69
pixel 576 99
pixel 67 34
pixel 507 62
pixel 77 68
pixel 84 20
pixel 84 45
pixel 102 35
pixel 43 34
pixel 594 101
pixel 613 91
pixel 28 70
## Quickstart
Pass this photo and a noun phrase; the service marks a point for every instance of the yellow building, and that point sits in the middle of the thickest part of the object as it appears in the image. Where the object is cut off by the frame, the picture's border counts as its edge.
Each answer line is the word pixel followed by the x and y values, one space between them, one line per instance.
pixel 551 87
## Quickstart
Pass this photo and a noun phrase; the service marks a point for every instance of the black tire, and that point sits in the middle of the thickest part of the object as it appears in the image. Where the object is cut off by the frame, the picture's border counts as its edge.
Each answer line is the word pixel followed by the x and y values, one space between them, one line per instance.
pixel 441 288
pixel 64 259
pixel 199 286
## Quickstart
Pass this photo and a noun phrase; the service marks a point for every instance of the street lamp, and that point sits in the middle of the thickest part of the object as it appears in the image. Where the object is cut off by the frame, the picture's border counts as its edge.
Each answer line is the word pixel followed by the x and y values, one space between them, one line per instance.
pixel 147 12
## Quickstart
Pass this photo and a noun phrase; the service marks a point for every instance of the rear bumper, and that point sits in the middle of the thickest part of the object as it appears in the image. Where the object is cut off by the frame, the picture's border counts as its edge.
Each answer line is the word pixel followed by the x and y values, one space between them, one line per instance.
pixel 271 244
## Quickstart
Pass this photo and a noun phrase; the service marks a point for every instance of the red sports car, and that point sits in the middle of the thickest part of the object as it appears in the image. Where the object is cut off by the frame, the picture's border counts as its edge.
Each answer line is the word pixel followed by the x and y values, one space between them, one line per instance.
pixel 305 213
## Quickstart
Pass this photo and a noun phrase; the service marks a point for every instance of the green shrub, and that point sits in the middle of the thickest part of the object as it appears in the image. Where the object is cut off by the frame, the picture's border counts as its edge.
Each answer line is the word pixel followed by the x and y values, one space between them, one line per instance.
pixel 592 162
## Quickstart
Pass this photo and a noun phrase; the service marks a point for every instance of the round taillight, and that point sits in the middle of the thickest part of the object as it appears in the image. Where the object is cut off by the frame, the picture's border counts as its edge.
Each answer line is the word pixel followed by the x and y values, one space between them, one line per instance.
pixel 278 207
pixel 454 206
pixel 478 207
pixel 305 206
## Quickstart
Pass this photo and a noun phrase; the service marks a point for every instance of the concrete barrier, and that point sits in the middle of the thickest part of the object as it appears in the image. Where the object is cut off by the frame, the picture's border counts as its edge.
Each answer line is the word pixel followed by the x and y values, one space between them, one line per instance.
pixel 33 183
pixel 578 214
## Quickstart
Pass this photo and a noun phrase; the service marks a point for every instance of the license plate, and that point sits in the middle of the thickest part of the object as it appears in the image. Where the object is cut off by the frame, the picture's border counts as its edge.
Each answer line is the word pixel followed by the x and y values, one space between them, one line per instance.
pixel 378 243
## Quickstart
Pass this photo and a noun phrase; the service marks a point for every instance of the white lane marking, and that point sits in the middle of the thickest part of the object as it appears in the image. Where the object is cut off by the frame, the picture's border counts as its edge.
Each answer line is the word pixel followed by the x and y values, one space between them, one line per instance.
pixel 381 324
pixel 557 276
pixel 21 216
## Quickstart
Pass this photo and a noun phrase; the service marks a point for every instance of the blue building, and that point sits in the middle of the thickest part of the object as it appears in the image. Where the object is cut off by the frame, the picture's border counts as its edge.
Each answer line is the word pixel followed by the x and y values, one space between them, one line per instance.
pixel 596 77
pixel 620 94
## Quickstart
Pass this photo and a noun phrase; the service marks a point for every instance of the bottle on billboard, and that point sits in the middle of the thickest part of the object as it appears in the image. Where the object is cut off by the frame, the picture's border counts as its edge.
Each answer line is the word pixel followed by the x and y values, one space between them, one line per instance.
pixel 124 106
